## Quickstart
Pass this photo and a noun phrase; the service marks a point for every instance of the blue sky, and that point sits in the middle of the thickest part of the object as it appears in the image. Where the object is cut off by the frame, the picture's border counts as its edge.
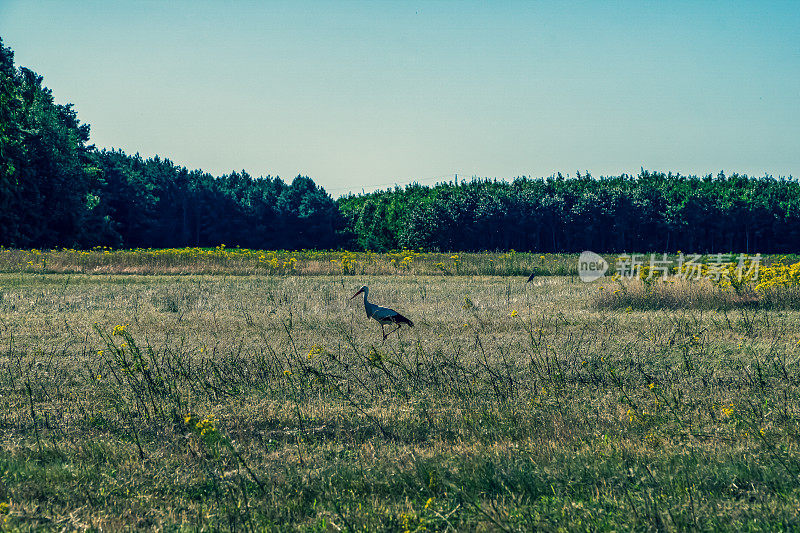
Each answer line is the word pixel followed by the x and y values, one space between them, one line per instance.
pixel 359 95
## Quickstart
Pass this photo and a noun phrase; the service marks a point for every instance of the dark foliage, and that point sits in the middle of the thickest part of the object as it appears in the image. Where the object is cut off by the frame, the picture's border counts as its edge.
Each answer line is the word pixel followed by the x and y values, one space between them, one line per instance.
pixel 649 212
pixel 46 174
pixel 154 203
pixel 55 190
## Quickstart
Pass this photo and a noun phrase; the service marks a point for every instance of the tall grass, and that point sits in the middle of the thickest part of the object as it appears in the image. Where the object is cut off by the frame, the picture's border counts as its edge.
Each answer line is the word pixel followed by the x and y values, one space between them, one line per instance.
pixel 237 261
pixel 677 293
pixel 240 261
pixel 269 402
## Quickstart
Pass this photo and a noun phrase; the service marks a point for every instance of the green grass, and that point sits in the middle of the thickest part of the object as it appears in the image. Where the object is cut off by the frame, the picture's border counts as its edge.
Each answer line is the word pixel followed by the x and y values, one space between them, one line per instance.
pixel 509 406
pixel 702 294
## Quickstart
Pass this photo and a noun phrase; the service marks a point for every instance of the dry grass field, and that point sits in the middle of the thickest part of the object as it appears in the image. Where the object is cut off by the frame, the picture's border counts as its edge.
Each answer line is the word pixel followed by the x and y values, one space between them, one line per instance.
pixel 271 402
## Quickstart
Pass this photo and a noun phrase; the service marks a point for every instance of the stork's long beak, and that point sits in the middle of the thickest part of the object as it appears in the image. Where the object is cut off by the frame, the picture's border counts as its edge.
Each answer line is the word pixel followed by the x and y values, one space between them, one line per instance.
pixel 356 294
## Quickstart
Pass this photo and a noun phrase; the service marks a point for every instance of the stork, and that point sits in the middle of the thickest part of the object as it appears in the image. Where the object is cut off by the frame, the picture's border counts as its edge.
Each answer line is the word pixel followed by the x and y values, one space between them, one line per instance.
pixel 383 315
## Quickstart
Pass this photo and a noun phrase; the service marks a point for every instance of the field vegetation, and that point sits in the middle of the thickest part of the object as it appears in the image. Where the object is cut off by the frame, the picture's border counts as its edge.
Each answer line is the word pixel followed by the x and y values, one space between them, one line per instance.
pixel 268 401
pixel 243 261
pixel 240 261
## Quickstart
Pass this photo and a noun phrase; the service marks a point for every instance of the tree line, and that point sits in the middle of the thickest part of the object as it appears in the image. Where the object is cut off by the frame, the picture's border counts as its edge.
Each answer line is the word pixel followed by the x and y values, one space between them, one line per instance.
pixel 648 212
pixel 56 189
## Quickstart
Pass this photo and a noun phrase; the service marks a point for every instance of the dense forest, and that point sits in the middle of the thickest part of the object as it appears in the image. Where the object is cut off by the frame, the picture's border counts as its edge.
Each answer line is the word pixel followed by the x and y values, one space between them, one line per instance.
pixel 648 212
pixel 56 190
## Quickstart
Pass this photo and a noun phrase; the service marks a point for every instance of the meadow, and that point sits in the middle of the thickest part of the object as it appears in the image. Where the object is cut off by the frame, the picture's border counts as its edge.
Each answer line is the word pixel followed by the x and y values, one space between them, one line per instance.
pixel 252 394
pixel 243 261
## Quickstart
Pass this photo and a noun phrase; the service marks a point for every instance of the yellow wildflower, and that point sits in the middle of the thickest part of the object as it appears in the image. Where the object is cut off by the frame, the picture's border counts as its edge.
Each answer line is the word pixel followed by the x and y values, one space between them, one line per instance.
pixel 315 350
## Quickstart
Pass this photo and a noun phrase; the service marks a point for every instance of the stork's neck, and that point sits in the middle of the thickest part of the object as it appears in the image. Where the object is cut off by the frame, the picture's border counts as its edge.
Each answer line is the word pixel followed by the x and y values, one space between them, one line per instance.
pixel 369 308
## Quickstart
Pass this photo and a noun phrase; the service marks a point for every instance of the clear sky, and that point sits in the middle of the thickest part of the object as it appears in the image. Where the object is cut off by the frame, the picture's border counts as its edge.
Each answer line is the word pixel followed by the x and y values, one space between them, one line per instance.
pixel 364 94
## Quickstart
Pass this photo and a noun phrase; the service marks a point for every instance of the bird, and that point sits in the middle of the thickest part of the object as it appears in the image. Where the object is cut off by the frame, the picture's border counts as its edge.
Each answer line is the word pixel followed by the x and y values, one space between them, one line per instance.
pixel 383 315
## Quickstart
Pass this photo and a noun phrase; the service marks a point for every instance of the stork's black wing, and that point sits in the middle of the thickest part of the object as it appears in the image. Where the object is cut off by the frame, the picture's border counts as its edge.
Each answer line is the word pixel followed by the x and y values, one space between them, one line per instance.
pixel 400 319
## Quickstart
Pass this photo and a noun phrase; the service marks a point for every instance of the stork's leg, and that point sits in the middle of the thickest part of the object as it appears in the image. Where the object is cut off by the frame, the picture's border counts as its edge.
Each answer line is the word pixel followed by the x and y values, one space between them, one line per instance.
pixel 384 332
pixel 395 329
